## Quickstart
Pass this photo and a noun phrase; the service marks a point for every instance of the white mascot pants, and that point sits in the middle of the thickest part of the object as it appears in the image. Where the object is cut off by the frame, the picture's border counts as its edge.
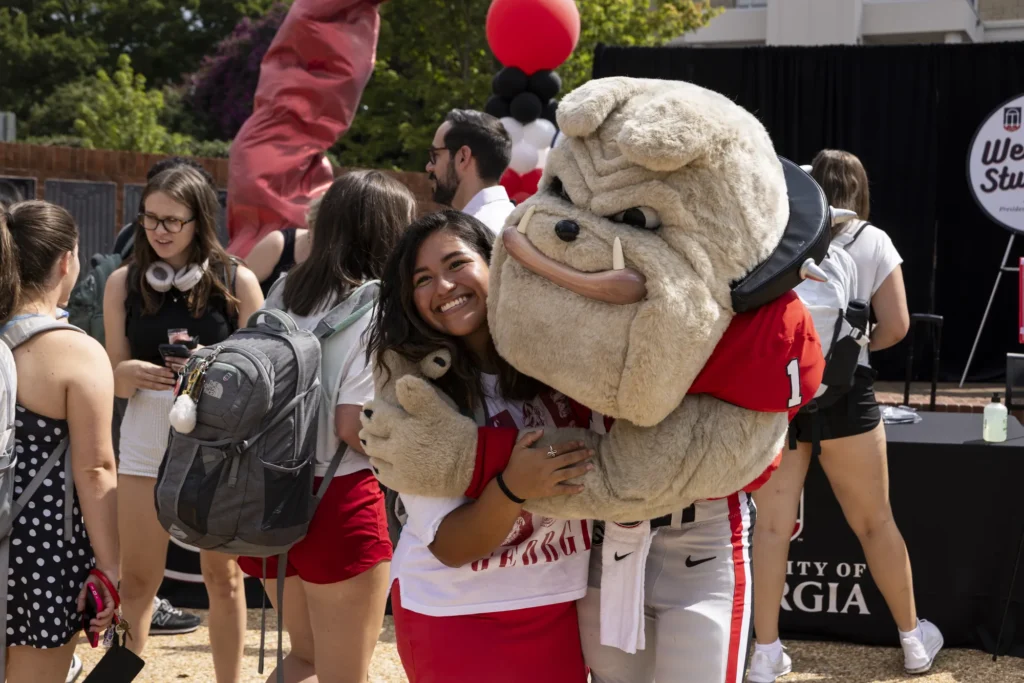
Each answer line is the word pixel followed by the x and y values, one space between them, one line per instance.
pixel 698 601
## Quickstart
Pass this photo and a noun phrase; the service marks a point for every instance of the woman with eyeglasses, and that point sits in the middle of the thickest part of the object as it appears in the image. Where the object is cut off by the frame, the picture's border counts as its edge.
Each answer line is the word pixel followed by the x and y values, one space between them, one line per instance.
pixel 179 287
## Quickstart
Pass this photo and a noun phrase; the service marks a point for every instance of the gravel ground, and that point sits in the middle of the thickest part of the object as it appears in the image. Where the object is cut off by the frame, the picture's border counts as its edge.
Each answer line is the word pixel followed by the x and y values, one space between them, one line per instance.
pixel 172 659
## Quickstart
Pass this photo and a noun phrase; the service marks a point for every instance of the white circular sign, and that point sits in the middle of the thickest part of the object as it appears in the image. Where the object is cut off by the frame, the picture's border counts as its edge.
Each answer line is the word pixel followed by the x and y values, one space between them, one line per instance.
pixel 995 165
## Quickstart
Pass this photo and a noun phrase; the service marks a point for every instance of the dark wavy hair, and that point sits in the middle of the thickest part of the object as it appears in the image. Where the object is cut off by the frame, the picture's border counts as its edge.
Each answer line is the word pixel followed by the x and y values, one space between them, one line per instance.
pixel 358 221
pixel 397 325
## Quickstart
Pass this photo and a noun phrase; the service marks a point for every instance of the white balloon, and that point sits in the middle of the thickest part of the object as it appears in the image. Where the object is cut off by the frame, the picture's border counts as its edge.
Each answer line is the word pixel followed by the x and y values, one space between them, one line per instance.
pixel 514 128
pixel 524 158
pixel 542 157
pixel 539 133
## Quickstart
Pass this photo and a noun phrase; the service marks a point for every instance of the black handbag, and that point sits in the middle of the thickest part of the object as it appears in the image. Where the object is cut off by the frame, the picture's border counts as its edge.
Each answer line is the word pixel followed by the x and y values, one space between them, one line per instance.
pixel 119 665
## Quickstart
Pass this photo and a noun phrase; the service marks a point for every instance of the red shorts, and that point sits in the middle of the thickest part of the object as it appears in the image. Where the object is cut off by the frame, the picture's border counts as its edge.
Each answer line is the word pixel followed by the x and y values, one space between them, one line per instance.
pixel 540 645
pixel 347 536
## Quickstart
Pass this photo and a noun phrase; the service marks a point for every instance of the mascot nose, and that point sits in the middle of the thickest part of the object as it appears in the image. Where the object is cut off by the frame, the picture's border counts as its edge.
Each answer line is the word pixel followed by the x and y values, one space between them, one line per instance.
pixel 567 231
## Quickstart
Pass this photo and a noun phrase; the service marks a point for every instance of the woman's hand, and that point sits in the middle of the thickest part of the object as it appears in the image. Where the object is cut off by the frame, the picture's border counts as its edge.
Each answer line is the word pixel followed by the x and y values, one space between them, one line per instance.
pixel 106 617
pixel 534 473
pixel 143 375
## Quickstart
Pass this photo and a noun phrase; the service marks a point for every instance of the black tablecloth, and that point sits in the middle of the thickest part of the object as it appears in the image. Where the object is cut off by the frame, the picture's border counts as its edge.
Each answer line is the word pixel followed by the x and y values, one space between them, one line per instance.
pixel 958 502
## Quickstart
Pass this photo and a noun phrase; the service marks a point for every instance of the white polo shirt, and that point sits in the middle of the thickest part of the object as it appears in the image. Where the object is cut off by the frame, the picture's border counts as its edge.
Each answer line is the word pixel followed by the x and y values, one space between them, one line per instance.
pixel 491 206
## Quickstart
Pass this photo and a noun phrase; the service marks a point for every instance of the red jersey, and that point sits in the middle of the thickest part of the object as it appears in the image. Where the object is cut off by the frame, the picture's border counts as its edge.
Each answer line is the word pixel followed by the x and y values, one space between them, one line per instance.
pixel 769 360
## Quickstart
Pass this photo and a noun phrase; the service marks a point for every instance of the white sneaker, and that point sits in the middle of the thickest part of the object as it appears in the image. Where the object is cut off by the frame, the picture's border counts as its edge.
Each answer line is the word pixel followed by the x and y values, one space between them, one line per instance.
pixel 76 669
pixel 919 653
pixel 763 669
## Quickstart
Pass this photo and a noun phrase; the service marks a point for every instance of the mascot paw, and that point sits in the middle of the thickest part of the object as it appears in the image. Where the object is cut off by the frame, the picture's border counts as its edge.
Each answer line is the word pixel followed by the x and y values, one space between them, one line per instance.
pixel 421 445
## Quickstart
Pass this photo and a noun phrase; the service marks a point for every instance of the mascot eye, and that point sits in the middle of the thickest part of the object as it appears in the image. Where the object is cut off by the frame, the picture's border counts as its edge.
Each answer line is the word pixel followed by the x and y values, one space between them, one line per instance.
pixel 556 189
pixel 639 217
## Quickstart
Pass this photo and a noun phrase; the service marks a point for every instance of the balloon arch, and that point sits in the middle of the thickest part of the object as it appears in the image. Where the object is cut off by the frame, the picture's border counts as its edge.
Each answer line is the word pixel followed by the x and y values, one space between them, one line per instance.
pixel 531 38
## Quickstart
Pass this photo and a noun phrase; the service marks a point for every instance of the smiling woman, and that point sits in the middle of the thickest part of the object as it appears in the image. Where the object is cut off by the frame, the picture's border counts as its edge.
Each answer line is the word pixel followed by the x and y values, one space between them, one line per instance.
pixel 441 258
pixel 453 555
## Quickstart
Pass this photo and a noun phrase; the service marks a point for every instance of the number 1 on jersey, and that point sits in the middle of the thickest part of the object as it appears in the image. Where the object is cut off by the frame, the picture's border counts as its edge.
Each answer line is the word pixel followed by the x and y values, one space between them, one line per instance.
pixel 793 370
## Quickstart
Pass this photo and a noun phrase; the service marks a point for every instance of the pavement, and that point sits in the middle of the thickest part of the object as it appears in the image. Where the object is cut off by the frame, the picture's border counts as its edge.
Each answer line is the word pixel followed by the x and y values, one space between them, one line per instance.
pixel 174 659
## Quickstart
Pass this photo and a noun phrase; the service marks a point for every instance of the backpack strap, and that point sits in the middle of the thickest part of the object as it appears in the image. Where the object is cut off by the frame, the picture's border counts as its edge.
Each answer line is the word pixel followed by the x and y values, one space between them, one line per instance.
pixel 21 328
pixel 863 225
pixel 8 524
pixel 342 316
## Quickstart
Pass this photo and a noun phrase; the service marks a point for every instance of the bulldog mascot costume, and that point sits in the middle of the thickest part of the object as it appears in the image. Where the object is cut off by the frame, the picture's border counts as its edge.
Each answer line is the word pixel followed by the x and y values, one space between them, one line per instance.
pixel 649 281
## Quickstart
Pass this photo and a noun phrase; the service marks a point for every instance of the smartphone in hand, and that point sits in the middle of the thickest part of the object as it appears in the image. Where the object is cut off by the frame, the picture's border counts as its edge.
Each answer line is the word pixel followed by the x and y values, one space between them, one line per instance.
pixel 174 351
pixel 93 606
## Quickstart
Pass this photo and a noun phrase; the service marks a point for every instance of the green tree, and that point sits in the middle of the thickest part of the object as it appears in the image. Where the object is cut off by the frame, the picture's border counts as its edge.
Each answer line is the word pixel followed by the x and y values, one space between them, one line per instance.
pixel 47 43
pixel 432 56
pixel 121 114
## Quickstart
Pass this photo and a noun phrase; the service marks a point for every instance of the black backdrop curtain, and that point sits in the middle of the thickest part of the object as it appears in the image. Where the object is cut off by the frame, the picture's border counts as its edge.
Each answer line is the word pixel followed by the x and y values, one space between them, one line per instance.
pixel 909 112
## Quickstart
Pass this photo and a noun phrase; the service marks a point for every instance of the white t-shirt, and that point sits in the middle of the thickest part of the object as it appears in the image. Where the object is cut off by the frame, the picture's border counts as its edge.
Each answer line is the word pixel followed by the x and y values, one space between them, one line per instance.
pixel 543 561
pixel 491 206
pixel 355 387
pixel 876 258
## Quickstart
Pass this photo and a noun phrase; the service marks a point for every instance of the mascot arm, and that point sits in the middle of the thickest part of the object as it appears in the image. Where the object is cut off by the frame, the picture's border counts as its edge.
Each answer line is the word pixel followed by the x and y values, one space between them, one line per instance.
pixel 769 360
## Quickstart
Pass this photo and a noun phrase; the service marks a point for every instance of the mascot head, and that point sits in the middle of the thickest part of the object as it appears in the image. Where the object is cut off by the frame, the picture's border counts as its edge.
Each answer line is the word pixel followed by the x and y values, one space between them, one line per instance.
pixel 613 283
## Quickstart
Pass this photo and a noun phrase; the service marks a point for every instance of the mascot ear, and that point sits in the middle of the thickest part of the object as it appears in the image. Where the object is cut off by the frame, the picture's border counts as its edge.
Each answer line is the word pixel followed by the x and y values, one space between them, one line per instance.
pixel 672 130
pixel 583 110
pixel 669 125
pixel 434 365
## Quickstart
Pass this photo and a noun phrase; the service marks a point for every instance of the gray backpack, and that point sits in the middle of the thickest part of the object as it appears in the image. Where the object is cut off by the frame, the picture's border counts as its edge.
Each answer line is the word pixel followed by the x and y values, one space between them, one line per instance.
pixel 15 333
pixel 241 482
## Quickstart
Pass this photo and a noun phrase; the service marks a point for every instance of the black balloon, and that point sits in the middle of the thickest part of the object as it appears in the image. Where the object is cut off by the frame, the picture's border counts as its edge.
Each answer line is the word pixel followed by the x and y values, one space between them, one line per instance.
pixel 509 82
pixel 497 107
pixel 526 107
pixel 549 111
pixel 545 84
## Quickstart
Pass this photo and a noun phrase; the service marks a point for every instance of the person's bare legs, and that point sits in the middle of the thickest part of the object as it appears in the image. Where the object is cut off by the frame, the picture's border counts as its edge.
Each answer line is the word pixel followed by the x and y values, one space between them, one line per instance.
pixel 224 584
pixel 298 665
pixel 143 555
pixel 346 619
pixel 777 503
pixel 858 471
pixel 34 665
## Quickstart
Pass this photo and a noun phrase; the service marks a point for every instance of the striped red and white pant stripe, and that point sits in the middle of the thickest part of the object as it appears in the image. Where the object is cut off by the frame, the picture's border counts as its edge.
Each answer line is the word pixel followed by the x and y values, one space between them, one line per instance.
pixel 698 602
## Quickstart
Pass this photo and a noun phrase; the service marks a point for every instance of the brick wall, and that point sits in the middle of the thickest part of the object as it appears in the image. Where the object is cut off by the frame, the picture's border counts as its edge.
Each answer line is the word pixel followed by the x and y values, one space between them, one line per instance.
pixel 1001 9
pixel 126 168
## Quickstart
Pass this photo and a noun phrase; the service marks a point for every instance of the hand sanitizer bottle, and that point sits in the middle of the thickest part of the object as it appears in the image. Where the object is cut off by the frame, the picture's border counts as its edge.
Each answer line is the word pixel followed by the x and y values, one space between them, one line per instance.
pixel 994 425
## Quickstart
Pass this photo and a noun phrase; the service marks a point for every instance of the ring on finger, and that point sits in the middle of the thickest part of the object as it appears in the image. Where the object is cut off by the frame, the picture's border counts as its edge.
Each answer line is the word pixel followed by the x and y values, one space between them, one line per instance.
pixel 551 452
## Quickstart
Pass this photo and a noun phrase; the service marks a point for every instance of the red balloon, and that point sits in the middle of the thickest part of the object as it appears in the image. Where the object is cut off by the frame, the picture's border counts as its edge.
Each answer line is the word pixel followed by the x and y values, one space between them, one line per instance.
pixel 521 187
pixel 533 34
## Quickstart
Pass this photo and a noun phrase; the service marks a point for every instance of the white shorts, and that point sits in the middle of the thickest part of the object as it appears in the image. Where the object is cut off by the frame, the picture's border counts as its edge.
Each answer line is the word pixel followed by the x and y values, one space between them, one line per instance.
pixel 144 432
pixel 697 602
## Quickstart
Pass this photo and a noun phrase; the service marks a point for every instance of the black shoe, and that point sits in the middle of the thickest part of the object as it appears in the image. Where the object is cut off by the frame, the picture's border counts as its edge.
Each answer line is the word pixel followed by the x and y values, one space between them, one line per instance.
pixel 169 620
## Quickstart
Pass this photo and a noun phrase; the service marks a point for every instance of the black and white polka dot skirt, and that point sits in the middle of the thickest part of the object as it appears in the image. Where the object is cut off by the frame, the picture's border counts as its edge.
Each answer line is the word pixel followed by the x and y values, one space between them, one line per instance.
pixel 46 571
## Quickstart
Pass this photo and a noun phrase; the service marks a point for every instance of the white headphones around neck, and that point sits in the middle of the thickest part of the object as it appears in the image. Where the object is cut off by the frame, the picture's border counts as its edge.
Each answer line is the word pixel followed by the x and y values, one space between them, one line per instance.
pixel 161 276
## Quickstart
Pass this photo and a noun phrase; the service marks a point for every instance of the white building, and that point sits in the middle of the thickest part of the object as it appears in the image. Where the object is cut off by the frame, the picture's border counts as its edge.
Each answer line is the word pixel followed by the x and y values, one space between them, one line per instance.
pixel 859 22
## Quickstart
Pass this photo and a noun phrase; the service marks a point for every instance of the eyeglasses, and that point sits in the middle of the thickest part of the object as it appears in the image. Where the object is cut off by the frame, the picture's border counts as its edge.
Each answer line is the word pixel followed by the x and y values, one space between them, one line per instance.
pixel 434 151
pixel 171 223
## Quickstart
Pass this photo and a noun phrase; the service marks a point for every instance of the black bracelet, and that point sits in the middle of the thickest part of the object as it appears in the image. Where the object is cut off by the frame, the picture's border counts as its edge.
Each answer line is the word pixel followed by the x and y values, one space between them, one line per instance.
pixel 504 489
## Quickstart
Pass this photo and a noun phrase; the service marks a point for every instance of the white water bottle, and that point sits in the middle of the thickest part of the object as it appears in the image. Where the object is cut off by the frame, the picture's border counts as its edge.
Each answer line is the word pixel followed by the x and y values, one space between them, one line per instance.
pixel 994 425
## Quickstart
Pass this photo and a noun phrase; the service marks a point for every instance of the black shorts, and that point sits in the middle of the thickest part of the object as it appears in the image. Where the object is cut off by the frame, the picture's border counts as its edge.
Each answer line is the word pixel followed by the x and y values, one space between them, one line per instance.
pixel 856 412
